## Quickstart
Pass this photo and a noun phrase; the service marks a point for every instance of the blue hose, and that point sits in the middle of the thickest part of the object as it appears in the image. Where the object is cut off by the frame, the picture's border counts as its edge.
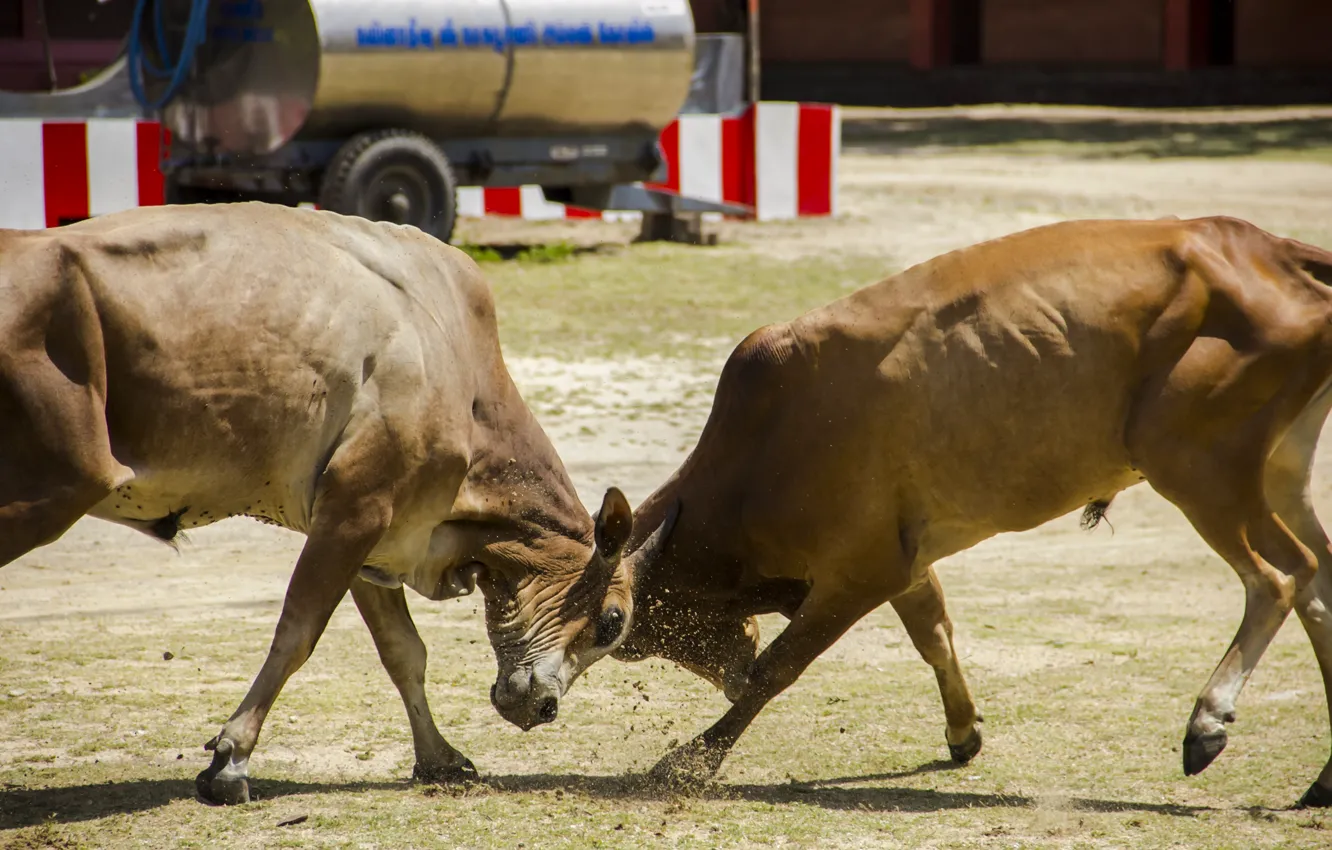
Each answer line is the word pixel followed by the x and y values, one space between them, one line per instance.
pixel 142 67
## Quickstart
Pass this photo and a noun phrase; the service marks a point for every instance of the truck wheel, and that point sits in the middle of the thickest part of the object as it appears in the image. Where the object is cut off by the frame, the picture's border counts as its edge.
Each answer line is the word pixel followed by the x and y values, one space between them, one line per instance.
pixel 393 175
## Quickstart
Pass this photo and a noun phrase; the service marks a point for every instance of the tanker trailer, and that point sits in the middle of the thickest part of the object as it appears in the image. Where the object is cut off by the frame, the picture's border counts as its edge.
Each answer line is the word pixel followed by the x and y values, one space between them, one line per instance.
pixel 382 108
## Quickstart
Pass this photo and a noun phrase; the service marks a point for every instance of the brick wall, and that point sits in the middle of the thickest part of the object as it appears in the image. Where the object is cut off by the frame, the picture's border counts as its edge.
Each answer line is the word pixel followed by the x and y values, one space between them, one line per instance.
pixel 834 30
pixel 1283 33
pixel 1073 32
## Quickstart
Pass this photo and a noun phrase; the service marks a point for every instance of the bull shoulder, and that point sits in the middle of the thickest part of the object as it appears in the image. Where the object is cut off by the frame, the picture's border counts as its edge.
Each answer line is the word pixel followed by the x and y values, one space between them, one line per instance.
pixel 1262 290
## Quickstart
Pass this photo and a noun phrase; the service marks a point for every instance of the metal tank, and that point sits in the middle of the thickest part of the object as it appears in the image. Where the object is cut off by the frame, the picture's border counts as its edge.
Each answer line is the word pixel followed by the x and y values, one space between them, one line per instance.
pixel 276 71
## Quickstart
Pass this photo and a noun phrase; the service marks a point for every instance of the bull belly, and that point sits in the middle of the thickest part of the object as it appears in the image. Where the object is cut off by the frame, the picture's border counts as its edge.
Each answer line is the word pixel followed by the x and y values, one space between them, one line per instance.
pixel 1024 503
pixel 163 504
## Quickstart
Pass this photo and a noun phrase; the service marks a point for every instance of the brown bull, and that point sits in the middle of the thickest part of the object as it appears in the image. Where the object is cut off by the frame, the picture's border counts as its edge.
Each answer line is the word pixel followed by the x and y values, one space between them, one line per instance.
pixel 990 390
pixel 167 368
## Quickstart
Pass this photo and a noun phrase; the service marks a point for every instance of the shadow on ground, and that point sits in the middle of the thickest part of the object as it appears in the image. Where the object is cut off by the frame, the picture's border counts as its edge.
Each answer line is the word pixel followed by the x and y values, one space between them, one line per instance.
pixel 31 807
pixel 20 807
pixel 834 794
pixel 1090 138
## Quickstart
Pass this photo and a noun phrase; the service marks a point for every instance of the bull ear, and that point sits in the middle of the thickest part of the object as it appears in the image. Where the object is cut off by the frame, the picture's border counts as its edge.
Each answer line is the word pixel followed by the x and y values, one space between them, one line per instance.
pixel 615 522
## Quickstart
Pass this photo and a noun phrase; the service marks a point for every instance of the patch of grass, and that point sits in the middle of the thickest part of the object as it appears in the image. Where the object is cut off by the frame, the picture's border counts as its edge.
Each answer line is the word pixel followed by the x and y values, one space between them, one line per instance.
pixel 480 253
pixel 1077 753
pixel 43 837
pixel 552 252
pixel 618 305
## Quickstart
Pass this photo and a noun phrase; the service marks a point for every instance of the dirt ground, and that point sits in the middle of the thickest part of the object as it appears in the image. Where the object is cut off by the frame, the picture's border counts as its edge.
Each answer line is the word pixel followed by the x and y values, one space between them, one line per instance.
pixel 1054 611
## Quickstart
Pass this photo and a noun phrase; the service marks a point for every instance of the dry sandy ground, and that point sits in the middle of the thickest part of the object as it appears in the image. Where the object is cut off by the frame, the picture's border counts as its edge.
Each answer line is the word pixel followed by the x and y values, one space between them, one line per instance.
pixel 630 422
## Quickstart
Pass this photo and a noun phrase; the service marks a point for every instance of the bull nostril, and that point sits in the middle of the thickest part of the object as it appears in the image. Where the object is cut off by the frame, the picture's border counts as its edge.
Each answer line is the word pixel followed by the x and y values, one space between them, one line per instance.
pixel 550 707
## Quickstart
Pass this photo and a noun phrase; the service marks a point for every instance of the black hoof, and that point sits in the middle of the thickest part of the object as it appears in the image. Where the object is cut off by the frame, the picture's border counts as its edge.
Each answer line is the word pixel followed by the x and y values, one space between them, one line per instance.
pixel 1317 797
pixel 968 749
pixel 1202 750
pixel 450 774
pixel 220 783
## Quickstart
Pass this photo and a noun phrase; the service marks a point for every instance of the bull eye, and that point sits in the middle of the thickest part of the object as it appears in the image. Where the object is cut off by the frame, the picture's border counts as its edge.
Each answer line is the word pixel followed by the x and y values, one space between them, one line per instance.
pixel 609 626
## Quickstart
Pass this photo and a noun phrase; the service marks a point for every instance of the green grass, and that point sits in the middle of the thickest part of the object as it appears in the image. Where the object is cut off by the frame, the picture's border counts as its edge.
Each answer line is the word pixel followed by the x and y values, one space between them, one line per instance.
pixel 668 300
pixel 554 252
pixel 1083 717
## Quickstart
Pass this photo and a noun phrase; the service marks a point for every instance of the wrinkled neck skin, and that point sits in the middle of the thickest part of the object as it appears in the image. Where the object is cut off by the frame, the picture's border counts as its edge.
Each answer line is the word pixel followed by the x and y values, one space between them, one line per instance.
pixel 684 599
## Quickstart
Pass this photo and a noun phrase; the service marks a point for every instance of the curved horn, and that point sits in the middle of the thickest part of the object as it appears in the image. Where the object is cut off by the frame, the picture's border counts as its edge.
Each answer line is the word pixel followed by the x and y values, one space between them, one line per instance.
pixel 651 548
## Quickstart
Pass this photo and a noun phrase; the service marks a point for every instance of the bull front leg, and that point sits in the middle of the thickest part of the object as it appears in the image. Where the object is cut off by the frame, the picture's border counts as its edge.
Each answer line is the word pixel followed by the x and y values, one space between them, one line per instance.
pixel 831 608
pixel 344 532
pixel 403 654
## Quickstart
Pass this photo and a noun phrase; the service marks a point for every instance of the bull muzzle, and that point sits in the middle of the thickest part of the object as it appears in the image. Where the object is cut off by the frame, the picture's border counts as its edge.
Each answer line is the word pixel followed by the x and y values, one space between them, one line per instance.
pixel 525 698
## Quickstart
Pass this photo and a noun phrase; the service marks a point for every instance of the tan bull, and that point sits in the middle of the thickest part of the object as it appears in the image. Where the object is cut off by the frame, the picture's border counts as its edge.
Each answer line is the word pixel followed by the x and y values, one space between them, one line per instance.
pixel 167 368
pixel 990 390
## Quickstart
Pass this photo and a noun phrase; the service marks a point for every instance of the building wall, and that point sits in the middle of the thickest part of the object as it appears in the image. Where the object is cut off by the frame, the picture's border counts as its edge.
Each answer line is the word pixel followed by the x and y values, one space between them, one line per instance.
pixel 1071 32
pixel 1283 33
pixel 835 30
pixel 712 15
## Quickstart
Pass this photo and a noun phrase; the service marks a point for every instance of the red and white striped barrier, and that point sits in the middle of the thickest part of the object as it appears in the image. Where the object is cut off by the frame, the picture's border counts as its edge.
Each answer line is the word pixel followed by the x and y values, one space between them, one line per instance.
pixel 778 158
pixel 527 202
pixel 61 171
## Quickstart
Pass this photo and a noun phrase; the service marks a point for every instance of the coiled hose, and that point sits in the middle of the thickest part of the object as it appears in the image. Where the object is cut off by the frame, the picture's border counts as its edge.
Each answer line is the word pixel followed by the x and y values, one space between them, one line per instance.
pixel 142 67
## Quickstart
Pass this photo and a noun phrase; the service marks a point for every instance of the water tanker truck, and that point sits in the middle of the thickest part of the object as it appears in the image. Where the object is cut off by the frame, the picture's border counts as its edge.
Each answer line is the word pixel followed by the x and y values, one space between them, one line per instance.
pixel 383 108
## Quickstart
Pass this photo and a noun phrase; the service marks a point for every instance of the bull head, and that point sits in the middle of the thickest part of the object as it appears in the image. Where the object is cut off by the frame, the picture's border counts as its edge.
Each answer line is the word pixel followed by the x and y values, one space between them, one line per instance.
pixel 548 625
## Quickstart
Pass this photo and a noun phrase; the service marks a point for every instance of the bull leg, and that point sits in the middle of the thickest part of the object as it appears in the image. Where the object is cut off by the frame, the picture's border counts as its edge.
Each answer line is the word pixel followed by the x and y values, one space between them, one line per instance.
pixel 831 608
pixel 1286 483
pixel 55 457
pixel 346 527
pixel 403 654
pixel 25 526
pixel 1314 607
pixel 1223 499
pixel 922 612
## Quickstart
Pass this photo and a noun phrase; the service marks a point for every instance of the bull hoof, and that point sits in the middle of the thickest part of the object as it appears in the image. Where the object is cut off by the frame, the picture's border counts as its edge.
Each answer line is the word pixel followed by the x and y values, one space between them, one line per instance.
pixel 1202 750
pixel 968 749
pixel 446 774
pixel 223 783
pixel 687 766
pixel 1317 797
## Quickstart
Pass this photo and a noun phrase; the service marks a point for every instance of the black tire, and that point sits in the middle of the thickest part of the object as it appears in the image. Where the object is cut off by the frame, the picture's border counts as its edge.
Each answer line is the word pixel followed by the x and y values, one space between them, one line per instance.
pixel 393 175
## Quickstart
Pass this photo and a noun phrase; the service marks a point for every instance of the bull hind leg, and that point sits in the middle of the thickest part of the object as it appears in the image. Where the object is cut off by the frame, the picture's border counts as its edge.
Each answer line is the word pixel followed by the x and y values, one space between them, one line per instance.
pixel 55 456
pixel 403 654
pixel 925 618
pixel 1286 483
pixel 1221 494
